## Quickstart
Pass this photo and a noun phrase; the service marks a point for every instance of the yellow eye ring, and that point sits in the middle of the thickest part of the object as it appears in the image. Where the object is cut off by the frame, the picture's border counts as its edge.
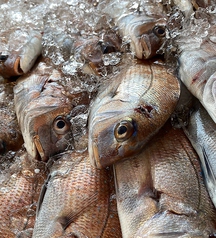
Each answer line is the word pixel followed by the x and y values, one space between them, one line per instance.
pixel 124 130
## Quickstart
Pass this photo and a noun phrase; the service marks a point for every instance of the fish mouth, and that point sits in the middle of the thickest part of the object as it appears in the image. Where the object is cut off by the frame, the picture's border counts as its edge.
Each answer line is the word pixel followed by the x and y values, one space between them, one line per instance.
pixel 146 46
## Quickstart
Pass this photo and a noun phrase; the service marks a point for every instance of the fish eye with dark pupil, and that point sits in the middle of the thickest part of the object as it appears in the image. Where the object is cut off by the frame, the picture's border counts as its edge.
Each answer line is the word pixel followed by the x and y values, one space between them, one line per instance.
pixel 3 57
pixel 61 125
pixel 159 31
pixel 124 130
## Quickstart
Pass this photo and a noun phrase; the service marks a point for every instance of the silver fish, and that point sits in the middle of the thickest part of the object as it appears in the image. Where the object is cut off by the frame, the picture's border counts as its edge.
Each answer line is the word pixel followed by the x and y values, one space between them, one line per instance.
pixel 197 64
pixel 201 131
pixel 161 193
pixel 133 107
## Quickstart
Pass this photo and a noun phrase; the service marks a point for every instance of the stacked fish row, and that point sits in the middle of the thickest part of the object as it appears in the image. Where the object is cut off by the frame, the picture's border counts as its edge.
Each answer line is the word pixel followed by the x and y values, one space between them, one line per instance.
pixel 137 156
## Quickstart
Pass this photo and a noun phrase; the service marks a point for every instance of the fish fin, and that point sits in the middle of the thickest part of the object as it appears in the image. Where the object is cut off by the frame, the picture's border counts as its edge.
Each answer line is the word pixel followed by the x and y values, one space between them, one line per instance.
pixel 42 194
pixel 65 221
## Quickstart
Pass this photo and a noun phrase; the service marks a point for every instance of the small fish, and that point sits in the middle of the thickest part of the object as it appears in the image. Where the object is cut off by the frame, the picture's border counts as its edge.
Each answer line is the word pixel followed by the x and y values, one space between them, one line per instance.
pixel 133 107
pixel 42 109
pixel 142 24
pixel 18 62
pixel 201 131
pixel 77 201
pixel 161 193
pixel 20 186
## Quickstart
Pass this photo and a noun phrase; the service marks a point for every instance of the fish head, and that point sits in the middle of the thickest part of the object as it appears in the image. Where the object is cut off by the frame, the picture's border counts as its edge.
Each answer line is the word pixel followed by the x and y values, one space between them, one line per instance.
pixel 121 137
pixel 52 133
pixel 148 38
pixel 129 112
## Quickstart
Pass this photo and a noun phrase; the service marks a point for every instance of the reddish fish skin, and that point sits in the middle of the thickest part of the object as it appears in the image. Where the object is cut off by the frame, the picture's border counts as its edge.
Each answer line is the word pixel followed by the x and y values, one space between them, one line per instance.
pixel 19 192
pixel 161 193
pixel 78 201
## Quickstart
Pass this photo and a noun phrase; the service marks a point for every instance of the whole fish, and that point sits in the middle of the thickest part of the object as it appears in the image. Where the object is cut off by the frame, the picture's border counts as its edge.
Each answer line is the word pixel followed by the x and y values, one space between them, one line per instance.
pixel 20 59
pixel 42 108
pixel 161 193
pixel 133 107
pixel 10 134
pixel 201 131
pixel 19 192
pixel 143 24
pixel 77 201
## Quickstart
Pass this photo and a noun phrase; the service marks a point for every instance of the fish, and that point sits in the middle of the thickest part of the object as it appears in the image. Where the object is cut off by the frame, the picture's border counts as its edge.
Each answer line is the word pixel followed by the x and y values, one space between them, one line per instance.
pixel 142 24
pixel 10 134
pixel 197 64
pixel 42 108
pixel 77 200
pixel 129 111
pixel 201 131
pixel 20 59
pixel 161 192
pixel 20 186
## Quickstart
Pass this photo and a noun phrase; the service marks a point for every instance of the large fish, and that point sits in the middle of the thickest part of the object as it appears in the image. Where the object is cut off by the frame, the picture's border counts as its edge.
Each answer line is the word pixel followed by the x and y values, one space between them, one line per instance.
pixel 161 193
pixel 134 106
pixel 201 131
pixel 77 201
pixel 19 192
pixel 42 108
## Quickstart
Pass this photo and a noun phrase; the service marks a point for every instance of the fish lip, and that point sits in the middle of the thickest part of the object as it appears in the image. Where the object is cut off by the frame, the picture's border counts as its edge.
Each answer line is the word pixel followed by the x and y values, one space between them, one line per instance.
pixel 94 155
pixel 146 46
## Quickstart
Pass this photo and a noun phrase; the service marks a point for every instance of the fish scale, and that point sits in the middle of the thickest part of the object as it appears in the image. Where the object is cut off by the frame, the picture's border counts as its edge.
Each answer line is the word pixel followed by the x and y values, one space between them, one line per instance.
pixel 77 201
pixel 161 193
pixel 19 191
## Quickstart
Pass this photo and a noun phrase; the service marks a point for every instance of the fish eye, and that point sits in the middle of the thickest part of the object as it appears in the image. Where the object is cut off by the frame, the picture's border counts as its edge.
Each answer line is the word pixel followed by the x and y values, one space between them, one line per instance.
pixel 159 31
pixel 61 125
pixel 3 57
pixel 124 130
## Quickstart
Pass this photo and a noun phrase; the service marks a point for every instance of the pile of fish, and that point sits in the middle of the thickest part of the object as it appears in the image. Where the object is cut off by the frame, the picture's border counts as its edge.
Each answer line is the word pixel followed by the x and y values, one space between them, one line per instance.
pixel 108 112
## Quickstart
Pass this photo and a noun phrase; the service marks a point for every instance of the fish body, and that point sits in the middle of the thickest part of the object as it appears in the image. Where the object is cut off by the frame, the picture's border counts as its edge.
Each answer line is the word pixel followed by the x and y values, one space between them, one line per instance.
pixel 42 107
pixel 19 192
pixel 201 131
pixel 133 107
pixel 161 193
pixel 77 201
